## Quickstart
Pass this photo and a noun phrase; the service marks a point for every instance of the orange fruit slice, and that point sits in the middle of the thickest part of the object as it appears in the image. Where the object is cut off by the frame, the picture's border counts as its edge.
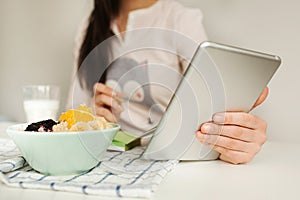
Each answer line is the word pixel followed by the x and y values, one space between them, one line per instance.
pixel 73 116
pixel 83 107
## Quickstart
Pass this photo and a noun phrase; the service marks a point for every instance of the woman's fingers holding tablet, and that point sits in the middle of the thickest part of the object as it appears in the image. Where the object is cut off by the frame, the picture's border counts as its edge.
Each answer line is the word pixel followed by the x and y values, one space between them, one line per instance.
pixel 237 136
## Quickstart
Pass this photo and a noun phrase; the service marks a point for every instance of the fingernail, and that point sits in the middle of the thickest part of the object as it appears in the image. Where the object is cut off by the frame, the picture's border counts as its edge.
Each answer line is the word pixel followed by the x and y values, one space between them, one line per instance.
pixel 206 128
pixel 200 136
pixel 219 118
pixel 120 108
pixel 114 93
pixel 117 108
pixel 118 99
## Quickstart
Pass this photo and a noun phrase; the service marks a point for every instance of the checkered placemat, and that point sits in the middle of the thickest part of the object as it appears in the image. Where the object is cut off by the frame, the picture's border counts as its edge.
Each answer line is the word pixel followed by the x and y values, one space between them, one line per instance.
pixel 121 174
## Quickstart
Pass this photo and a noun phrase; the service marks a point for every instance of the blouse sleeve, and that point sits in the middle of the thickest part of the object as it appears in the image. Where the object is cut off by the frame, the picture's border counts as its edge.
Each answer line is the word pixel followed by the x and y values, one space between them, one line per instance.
pixel 189 24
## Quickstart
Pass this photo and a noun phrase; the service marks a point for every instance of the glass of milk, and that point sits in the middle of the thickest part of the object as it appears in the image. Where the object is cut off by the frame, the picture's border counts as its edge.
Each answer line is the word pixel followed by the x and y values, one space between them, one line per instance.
pixel 41 102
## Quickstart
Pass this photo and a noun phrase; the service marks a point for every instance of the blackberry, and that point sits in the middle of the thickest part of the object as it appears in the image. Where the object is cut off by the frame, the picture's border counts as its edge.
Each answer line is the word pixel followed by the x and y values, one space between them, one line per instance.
pixel 45 124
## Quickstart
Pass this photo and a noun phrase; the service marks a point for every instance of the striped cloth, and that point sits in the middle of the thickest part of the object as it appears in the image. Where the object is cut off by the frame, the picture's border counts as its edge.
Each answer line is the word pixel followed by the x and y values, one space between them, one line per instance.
pixel 121 174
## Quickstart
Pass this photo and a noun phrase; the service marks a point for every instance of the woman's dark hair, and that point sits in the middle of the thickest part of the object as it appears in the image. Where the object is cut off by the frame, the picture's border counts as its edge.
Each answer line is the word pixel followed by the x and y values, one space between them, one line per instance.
pixel 98 30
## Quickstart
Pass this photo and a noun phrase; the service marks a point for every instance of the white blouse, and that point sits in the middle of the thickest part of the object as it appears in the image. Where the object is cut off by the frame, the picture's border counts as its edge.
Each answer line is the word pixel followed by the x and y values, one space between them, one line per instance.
pixel 148 62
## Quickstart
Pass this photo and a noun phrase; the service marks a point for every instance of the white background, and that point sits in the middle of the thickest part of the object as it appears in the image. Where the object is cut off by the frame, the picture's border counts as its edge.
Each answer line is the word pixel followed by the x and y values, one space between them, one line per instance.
pixel 37 41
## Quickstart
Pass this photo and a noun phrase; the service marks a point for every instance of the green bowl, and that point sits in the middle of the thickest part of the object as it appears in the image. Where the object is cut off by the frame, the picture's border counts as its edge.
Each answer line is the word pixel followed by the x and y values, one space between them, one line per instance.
pixel 62 153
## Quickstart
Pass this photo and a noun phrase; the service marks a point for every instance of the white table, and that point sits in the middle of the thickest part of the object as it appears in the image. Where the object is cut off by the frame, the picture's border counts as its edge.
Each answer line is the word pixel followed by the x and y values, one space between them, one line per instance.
pixel 273 174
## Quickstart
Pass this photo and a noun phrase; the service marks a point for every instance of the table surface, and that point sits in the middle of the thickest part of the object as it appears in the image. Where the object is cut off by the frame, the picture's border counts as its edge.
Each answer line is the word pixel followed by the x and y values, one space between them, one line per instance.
pixel 273 174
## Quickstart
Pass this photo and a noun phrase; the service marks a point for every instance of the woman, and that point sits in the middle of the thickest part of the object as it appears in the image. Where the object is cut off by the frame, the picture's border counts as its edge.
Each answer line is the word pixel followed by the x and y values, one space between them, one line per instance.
pixel 132 75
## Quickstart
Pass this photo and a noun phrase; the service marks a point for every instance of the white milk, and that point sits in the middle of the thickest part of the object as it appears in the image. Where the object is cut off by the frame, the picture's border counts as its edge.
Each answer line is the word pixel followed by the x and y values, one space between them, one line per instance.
pixel 37 110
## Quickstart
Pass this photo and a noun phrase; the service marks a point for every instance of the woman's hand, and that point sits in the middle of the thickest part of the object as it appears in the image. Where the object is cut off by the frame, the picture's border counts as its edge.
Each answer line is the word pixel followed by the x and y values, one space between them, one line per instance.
pixel 237 136
pixel 106 102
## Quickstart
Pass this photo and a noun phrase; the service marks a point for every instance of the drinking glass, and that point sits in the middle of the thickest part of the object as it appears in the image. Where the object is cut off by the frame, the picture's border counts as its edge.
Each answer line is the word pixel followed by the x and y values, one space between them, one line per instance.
pixel 41 102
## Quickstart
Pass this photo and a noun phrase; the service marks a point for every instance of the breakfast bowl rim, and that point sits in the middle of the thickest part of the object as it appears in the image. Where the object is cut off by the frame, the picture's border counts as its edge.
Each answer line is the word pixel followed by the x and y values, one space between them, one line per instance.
pixel 15 129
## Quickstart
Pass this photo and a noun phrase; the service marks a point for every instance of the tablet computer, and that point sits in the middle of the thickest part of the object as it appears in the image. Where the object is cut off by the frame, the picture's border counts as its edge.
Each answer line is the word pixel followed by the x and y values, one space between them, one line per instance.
pixel 219 78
